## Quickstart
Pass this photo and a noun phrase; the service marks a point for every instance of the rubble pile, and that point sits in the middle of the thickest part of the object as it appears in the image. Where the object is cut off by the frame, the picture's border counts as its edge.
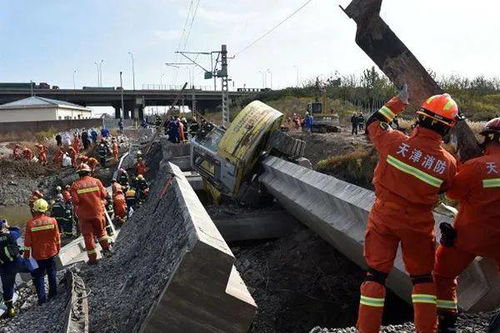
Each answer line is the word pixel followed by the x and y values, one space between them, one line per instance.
pixel 125 286
pixel 296 284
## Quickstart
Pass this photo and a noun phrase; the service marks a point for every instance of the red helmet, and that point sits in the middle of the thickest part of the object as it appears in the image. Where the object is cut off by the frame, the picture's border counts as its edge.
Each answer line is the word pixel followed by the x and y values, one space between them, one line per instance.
pixel 491 127
pixel 441 108
pixel 83 168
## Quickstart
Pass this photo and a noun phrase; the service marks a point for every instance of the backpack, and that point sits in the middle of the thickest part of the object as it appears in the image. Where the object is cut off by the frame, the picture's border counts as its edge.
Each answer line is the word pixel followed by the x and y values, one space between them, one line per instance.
pixel 9 250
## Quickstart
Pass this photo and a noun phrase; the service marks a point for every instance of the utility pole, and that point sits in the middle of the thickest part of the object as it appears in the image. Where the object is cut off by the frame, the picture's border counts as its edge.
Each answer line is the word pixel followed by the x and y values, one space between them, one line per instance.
pixel 214 73
pixel 225 86
pixel 133 68
pixel 100 69
pixel 121 86
pixel 264 79
pixel 31 88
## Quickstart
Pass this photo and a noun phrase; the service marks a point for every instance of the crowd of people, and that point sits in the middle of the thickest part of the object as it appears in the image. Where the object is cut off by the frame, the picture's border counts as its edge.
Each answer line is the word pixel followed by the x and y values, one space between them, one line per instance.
pixel 73 149
pixel 84 207
pixel 357 123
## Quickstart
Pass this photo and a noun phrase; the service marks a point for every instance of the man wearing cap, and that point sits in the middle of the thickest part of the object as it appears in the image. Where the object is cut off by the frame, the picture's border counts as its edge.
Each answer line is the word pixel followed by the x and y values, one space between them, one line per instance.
pixel 88 195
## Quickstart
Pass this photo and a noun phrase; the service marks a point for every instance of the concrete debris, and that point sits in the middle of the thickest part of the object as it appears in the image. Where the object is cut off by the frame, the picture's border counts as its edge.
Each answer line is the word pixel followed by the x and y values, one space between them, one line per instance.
pixel 77 310
pixel 296 284
pixel 156 254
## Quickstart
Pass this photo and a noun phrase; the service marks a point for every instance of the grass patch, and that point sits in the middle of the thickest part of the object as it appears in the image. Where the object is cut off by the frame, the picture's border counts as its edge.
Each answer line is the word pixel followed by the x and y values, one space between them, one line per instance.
pixel 355 167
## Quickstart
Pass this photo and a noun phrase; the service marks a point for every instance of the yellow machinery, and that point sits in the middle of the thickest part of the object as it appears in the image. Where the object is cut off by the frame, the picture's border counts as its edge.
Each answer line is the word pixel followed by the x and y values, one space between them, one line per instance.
pixel 228 160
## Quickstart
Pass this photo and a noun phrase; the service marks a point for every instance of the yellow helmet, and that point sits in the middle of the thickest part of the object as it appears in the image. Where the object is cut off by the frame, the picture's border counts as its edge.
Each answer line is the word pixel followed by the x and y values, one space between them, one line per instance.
pixel 40 206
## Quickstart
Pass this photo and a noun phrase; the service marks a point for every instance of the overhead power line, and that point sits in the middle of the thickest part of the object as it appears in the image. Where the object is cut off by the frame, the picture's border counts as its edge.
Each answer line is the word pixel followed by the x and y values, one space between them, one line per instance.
pixel 274 28
pixel 191 24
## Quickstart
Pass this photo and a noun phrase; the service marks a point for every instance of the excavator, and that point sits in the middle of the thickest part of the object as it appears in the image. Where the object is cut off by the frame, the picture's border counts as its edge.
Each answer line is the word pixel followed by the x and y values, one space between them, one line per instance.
pixel 228 159
pixel 324 121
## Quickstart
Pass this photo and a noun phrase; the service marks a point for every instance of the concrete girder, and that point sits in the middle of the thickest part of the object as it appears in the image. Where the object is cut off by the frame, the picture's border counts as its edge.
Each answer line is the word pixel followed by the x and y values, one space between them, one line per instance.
pixel 338 212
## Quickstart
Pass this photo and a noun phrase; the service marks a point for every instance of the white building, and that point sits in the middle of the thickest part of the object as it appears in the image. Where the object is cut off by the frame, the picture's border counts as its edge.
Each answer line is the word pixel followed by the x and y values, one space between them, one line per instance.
pixel 36 108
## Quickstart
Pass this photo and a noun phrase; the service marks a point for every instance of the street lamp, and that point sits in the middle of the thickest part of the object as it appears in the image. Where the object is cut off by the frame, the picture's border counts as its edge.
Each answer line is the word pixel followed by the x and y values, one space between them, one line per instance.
pixel 133 69
pixel 269 71
pixel 74 86
pixel 297 71
pixel 161 79
pixel 98 74
pixel 264 79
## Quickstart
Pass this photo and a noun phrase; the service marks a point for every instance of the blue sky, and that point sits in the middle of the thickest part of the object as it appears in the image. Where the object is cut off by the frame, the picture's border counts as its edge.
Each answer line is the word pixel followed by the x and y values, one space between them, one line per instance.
pixel 45 41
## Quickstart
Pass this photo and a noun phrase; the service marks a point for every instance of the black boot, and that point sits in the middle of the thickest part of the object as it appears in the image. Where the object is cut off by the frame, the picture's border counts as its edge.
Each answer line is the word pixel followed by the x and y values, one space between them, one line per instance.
pixel 447 322
pixel 10 312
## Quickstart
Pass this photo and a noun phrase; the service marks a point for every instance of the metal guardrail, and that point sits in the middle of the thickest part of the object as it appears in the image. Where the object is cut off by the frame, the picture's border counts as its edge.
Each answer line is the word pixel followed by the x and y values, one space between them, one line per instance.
pixel 77 309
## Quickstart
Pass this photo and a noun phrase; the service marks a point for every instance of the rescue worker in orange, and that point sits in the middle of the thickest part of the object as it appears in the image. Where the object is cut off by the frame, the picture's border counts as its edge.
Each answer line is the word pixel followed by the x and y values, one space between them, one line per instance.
pixel 42 153
pixel 119 203
pixel 476 229
pixel 73 155
pixel 66 193
pixel 140 167
pixel 82 159
pixel 409 176
pixel 115 149
pixel 43 242
pixel 93 163
pixel 16 152
pixel 35 195
pixel 88 194
pixel 76 144
pixel 28 154
pixel 58 157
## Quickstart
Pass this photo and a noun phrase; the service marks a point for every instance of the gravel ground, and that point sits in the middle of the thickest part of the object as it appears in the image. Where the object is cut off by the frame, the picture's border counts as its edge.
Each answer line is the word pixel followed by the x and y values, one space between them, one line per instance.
pixel 296 284
pixel 31 317
pixel 467 323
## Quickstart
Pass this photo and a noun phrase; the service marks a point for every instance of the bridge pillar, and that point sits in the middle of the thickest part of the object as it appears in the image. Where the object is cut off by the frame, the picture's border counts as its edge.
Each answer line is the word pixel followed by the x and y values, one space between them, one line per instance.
pixel 117 111
pixel 141 112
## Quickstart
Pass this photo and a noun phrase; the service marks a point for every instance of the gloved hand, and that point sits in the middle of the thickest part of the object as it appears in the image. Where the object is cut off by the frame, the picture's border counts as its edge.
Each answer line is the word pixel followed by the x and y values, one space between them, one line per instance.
pixel 448 234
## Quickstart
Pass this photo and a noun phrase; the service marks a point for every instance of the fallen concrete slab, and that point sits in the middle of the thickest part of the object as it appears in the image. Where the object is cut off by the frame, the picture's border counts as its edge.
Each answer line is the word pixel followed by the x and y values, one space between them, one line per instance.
pixel 171 272
pixel 338 212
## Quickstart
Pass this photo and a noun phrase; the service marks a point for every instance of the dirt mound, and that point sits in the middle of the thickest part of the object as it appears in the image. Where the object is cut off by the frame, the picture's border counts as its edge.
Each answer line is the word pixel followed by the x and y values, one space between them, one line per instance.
pixel 301 281
pixel 320 146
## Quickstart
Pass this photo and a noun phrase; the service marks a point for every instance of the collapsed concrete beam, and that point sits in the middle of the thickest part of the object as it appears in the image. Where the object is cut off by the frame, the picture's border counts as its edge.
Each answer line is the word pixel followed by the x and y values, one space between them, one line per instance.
pixel 205 292
pixel 338 212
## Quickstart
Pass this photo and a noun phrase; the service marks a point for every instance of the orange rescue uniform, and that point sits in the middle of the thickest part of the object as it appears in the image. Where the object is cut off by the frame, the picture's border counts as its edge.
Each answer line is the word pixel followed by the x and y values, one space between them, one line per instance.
pixel 76 144
pixel 42 154
pixel 477 186
pixel 58 157
pixel 41 237
pixel 120 205
pixel 409 176
pixel 28 154
pixel 73 154
pixel 16 152
pixel 88 194
pixel 92 163
pixel 140 168
pixel 115 150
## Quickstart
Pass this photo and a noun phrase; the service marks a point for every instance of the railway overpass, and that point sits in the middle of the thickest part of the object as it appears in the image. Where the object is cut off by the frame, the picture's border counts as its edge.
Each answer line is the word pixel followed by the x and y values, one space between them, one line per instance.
pixel 134 101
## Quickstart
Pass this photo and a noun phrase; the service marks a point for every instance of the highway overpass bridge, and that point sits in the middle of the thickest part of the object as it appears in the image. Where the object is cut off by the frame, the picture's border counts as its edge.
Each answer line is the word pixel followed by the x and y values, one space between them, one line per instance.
pixel 134 100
